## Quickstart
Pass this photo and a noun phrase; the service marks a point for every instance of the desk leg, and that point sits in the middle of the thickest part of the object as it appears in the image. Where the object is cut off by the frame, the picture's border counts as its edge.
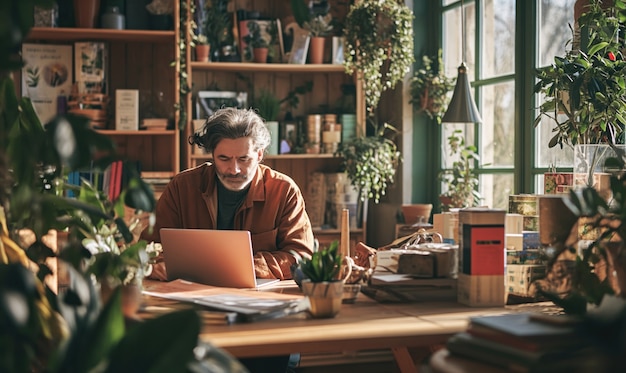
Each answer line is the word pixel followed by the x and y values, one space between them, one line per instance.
pixel 404 360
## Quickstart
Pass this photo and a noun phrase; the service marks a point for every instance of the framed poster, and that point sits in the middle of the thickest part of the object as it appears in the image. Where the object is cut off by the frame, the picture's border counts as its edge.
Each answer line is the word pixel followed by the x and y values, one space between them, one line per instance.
pixel 90 65
pixel 46 75
pixel 207 102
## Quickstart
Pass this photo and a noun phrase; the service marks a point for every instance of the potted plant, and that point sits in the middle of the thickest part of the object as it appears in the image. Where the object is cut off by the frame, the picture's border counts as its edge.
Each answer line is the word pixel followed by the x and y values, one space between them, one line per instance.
pixel 585 95
pixel 258 43
pixel 321 281
pixel 378 46
pixel 203 48
pixel 371 162
pixel 319 26
pixel 461 181
pixel 430 87
pixel 216 23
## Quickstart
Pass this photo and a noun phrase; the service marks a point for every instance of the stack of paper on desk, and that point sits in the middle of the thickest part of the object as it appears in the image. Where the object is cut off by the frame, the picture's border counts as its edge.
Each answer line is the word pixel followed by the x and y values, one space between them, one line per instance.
pixel 243 305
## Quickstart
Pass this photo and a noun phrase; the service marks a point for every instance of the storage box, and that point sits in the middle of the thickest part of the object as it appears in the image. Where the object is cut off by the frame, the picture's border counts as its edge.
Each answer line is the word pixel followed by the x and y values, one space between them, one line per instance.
pixel 519 278
pixel 481 291
pixel 557 182
pixel 481 234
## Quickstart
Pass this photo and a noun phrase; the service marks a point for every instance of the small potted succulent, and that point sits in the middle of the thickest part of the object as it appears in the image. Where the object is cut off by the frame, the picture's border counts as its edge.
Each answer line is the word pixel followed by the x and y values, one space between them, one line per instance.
pixel 322 281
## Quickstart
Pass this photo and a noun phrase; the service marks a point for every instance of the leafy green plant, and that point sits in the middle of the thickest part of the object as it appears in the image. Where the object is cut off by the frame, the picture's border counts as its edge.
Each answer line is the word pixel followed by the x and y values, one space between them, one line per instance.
pixel 585 91
pixel 255 39
pixel 267 104
pixel 370 162
pixel 292 99
pixel 319 25
pixel 41 331
pixel 429 88
pixel 324 264
pixel 461 181
pixel 216 22
pixel 378 46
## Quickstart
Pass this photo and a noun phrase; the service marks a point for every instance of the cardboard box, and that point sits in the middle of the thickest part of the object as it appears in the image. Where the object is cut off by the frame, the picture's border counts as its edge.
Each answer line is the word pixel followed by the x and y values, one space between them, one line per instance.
pixel 447 225
pixel 481 291
pixel 514 223
pixel 127 109
pixel 557 182
pixel 481 234
pixel 519 278
pixel 525 257
pixel 514 241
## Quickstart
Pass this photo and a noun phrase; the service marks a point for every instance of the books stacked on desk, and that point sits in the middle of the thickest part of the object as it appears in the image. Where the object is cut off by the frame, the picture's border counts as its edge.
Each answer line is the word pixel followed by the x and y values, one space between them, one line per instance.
pixel 529 342
pixel 394 287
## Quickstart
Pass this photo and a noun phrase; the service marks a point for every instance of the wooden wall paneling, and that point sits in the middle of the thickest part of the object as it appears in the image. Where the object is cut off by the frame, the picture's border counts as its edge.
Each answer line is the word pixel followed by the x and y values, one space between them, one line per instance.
pixel 163 81
pixel 117 71
pixel 319 97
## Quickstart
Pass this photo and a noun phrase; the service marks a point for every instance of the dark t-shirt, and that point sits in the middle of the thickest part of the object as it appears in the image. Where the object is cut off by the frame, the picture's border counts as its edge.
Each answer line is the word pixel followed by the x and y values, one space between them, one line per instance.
pixel 228 202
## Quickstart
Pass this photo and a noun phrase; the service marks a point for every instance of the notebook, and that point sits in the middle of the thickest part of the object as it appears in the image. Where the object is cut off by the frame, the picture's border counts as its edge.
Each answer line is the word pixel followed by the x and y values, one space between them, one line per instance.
pixel 211 257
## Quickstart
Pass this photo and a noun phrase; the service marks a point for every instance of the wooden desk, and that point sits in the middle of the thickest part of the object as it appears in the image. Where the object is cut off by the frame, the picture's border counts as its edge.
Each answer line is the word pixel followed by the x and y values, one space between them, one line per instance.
pixel 364 325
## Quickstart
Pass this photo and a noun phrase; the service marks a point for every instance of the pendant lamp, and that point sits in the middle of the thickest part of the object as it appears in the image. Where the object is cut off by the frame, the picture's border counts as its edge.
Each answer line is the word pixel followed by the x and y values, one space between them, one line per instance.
pixel 462 108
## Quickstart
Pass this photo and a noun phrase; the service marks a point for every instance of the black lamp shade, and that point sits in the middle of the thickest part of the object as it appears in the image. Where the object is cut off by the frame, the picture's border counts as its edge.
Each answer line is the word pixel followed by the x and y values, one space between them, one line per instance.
pixel 462 108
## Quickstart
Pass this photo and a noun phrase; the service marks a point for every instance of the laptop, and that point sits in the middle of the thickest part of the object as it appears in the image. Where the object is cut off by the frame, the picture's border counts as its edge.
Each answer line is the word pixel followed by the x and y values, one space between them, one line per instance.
pixel 211 257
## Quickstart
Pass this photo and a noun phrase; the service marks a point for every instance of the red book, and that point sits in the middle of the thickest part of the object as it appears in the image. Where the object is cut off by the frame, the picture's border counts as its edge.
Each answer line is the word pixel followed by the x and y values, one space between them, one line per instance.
pixel 119 165
pixel 112 172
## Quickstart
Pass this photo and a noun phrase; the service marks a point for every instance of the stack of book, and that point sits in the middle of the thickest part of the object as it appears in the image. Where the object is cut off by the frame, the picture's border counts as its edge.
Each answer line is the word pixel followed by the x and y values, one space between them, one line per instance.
pixel 529 342
pixel 393 287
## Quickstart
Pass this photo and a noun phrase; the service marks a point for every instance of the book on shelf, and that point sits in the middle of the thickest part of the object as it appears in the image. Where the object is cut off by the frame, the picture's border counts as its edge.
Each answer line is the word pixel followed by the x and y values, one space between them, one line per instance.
pixel 246 305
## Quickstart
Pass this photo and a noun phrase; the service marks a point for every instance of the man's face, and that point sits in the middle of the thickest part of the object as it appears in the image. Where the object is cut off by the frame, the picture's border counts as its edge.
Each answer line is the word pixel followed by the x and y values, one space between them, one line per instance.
pixel 236 162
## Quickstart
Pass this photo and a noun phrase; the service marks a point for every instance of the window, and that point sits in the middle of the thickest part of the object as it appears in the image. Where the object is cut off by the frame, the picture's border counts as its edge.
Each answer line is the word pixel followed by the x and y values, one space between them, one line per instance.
pixel 494 63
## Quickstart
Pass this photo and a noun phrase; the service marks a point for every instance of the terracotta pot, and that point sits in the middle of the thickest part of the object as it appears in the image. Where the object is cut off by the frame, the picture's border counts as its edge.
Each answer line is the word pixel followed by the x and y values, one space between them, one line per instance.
pixel 417 213
pixel 131 297
pixel 260 55
pixel 202 52
pixel 86 13
pixel 325 298
pixel 316 49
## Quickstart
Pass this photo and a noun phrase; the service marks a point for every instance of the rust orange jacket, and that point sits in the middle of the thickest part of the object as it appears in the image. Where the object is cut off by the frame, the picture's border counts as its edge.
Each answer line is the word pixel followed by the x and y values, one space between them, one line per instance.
pixel 273 211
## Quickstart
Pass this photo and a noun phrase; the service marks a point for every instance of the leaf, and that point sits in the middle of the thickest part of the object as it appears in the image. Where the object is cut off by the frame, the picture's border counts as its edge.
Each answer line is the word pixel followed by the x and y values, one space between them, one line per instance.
pixel 144 349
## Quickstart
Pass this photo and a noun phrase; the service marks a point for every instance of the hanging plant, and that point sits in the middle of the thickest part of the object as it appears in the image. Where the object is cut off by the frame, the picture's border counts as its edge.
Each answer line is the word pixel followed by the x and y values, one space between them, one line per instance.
pixel 430 87
pixel 379 45
pixel 371 162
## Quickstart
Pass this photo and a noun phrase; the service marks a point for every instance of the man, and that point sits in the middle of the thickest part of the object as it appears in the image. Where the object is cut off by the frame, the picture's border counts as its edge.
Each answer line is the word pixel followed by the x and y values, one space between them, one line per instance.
pixel 237 192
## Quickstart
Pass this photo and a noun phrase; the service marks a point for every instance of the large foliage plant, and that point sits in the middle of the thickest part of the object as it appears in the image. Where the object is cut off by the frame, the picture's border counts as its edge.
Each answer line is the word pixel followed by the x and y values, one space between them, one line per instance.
pixel 71 330
pixel 585 91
